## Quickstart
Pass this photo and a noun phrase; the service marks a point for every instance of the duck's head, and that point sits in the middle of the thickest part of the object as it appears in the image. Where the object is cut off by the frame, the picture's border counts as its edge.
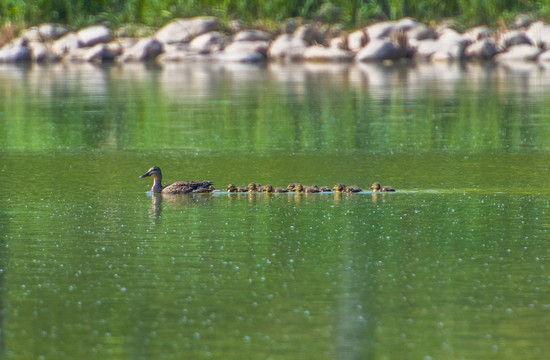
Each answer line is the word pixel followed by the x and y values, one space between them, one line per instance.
pixel 231 188
pixel 298 188
pixel 252 187
pixel 339 187
pixel 154 171
pixel 290 187
pixel 375 186
pixel 268 188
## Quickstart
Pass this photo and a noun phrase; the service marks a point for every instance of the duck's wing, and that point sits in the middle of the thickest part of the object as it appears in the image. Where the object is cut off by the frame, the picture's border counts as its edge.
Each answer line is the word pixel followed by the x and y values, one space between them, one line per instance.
pixel 194 185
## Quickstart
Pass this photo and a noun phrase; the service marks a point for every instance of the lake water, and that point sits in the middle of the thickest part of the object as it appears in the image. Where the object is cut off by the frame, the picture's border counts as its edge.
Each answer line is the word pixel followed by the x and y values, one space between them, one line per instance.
pixel 454 265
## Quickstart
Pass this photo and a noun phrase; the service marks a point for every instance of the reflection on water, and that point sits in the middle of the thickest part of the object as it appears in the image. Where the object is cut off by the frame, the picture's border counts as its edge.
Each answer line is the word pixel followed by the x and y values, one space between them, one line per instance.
pixel 452 265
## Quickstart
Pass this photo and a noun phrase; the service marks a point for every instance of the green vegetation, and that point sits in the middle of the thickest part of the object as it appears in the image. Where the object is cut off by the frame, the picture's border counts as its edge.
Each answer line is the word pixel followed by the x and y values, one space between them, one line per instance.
pixel 352 13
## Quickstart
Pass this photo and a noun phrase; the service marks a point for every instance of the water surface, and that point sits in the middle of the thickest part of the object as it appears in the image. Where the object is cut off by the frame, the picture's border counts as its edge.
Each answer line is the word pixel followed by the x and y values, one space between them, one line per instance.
pixel 453 265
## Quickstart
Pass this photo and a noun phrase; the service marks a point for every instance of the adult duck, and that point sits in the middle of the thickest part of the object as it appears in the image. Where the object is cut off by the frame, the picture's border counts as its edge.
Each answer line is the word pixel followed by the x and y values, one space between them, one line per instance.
pixel 376 187
pixel 178 187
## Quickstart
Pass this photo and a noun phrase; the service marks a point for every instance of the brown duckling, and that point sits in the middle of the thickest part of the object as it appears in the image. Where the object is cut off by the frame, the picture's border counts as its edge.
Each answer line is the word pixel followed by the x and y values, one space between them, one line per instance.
pixel 352 189
pixel 324 189
pixel 269 189
pixel 292 187
pixel 311 189
pixel 376 187
pixel 339 187
pixel 299 188
pixel 233 188
pixel 178 187
pixel 255 187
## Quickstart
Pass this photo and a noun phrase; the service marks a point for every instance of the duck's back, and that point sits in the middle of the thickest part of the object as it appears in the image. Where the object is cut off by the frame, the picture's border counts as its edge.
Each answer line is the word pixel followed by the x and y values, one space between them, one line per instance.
pixel 184 187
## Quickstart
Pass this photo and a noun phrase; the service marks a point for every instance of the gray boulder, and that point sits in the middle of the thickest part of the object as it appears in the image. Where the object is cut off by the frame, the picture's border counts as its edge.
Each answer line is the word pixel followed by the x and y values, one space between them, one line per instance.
pixel 94 35
pixel 507 39
pixel 244 51
pixel 211 42
pixel 539 34
pixel 15 51
pixel 252 35
pixel 184 30
pixel 522 52
pixel 380 49
pixel 51 32
pixel 340 42
pixel 357 39
pixel 144 49
pixel 66 44
pixel 321 53
pixel 485 48
pixel 287 47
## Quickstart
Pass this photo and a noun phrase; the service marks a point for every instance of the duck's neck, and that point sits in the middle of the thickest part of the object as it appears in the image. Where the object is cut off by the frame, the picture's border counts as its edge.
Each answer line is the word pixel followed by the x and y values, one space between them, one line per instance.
pixel 157 186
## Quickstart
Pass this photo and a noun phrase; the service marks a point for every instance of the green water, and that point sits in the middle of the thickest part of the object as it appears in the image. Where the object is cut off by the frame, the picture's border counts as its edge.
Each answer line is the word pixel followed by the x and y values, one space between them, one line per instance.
pixel 451 266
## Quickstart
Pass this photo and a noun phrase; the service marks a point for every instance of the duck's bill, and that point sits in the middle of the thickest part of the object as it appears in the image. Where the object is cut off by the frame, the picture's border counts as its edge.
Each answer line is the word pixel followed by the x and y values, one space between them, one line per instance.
pixel 145 175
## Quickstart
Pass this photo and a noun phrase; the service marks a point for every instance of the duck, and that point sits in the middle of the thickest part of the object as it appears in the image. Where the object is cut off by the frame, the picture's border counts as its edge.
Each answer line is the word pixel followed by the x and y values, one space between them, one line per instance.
pixel 269 189
pixel 311 189
pixel 324 189
pixel 376 187
pixel 178 187
pixel 233 188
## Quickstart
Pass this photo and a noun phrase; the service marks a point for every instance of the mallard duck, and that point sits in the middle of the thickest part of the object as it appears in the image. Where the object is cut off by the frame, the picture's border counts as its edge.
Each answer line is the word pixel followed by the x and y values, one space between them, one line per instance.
pixel 376 187
pixel 178 187
pixel 269 189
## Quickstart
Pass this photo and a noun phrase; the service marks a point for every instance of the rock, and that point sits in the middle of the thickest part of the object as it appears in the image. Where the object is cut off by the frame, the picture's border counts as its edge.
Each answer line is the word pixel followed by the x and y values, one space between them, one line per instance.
pixel 310 34
pixel 94 35
pixel 522 21
pixel 478 33
pixel 380 30
pixel 41 53
pixel 485 48
pixel 184 30
pixel 510 38
pixel 252 35
pixel 357 39
pixel 287 47
pixel 426 48
pixel 31 34
pixel 539 34
pixel 380 49
pixel 522 52
pixel 15 51
pixel 51 32
pixel 208 43
pixel 174 55
pixel 245 51
pixel 66 44
pixel 544 56
pixel 420 32
pixel 449 52
pixel 340 42
pixel 325 54
pixel 144 49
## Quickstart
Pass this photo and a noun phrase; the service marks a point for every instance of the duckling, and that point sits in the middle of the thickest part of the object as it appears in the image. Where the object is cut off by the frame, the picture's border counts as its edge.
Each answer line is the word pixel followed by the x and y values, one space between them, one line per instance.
pixel 352 188
pixel 178 187
pixel 325 189
pixel 269 189
pixel 292 187
pixel 299 188
pixel 339 187
pixel 311 189
pixel 254 187
pixel 233 188
pixel 376 187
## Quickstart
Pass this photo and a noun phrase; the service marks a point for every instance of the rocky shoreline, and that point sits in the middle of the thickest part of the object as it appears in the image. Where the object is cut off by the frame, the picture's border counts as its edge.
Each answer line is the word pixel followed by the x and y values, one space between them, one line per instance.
pixel 202 39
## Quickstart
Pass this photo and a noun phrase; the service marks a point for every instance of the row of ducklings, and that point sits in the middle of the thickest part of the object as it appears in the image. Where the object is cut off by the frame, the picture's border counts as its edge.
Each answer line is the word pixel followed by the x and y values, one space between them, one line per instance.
pixel 299 188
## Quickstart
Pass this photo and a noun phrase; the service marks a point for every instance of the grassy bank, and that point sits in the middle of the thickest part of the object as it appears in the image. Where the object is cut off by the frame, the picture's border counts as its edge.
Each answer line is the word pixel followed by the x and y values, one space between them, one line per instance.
pixel 351 13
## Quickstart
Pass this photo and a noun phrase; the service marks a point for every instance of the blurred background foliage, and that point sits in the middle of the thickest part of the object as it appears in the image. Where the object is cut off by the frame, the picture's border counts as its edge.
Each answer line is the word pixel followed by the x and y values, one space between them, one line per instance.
pixel 350 13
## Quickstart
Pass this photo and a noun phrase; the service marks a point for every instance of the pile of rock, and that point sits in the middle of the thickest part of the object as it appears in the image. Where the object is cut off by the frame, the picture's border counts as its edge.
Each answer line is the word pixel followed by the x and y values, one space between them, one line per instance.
pixel 201 39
